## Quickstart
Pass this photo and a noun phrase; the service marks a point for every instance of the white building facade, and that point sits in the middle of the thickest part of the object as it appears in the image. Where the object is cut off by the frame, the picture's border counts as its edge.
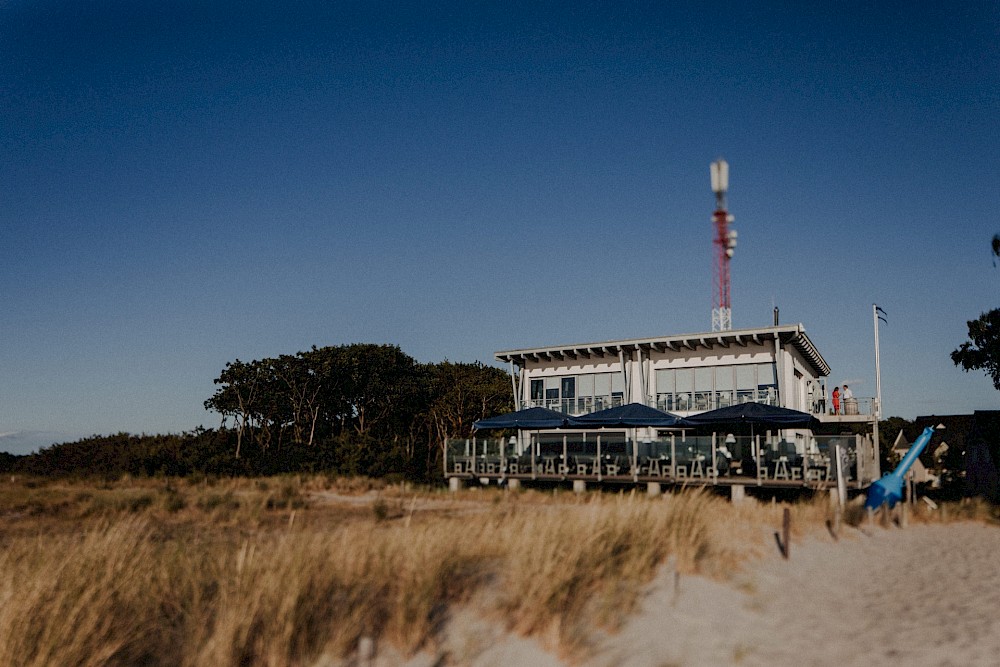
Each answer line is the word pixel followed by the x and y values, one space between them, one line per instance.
pixel 683 374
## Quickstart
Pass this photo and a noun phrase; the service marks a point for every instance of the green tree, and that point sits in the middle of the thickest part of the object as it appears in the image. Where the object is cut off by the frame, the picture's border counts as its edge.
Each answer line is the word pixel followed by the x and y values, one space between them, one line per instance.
pixel 982 350
pixel 240 396
pixel 461 395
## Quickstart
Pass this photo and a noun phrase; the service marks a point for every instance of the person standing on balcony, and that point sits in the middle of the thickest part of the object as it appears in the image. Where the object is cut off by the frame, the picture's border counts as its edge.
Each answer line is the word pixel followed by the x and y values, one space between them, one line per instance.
pixel 850 405
pixel 836 400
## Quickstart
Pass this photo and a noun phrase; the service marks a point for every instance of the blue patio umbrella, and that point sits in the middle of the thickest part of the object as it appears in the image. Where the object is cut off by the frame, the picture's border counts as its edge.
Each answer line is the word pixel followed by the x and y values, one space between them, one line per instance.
pixel 755 414
pixel 535 419
pixel 768 417
pixel 631 415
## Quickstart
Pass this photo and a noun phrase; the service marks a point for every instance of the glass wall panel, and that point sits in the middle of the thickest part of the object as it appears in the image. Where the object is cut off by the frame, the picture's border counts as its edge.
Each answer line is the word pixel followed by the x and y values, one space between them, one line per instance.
pixel 569 387
pixel 703 388
pixel 724 385
pixel 665 381
pixel 746 377
pixel 602 384
pixel 703 379
pixel 746 383
pixel 537 390
pixel 767 386
pixel 569 394
pixel 685 379
pixel 685 386
pixel 723 378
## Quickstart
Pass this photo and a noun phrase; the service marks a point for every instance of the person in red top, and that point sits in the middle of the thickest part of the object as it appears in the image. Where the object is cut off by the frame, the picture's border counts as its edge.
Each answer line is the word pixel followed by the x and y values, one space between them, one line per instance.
pixel 836 400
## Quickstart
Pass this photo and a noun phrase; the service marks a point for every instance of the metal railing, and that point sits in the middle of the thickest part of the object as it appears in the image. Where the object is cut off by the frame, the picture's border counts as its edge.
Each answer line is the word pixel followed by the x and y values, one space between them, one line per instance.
pixel 850 407
pixel 577 406
pixel 702 401
pixel 678 459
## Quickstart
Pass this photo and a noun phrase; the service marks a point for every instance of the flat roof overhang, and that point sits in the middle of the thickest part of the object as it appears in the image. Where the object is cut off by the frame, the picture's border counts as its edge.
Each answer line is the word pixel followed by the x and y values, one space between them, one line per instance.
pixel 794 335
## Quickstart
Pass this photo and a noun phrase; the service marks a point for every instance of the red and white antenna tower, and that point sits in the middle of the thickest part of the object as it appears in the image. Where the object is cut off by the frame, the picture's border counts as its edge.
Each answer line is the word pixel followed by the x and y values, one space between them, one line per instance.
pixel 725 243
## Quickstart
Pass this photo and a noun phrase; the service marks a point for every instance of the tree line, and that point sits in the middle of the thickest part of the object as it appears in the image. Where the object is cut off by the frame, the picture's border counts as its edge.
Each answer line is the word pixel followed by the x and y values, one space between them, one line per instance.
pixel 360 409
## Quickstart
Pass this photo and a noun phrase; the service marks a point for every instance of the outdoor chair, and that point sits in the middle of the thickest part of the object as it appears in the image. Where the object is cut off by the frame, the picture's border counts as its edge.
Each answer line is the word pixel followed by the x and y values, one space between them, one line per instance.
pixel 697 468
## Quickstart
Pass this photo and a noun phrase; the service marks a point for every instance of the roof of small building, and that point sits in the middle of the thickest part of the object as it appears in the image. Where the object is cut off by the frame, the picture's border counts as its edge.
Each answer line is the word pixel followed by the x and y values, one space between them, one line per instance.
pixel 792 334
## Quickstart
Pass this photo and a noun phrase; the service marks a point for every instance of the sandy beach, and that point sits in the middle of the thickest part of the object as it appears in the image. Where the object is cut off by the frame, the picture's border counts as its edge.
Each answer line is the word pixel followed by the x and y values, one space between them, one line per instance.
pixel 925 595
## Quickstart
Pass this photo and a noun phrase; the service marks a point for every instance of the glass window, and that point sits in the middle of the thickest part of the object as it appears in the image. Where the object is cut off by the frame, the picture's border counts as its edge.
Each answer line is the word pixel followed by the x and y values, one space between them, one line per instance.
pixel 569 387
pixel 724 378
pixel 703 379
pixel 746 377
pixel 551 383
pixel 585 384
pixel 602 384
pixel 537 390
pixel 685 379
pixel 617 383
pixel 665 381
pixel 765 375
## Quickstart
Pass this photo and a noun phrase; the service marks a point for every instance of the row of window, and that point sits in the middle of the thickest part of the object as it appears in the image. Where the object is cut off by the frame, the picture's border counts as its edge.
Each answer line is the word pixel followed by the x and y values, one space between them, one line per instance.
pixel 742 378
pixel 573 386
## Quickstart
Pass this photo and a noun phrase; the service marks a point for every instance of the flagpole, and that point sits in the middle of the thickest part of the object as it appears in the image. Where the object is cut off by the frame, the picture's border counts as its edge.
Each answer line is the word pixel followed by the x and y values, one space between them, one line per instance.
pixel 878 367
pixel 878 389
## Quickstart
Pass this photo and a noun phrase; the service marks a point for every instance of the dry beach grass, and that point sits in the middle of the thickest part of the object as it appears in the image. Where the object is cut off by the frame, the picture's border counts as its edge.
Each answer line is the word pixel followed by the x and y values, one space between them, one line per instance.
pixel 294 571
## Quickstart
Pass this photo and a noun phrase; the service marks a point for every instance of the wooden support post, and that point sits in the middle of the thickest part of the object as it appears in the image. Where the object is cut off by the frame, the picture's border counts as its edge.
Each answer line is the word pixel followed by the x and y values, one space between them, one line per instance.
pixel 737 493
pixel 786 532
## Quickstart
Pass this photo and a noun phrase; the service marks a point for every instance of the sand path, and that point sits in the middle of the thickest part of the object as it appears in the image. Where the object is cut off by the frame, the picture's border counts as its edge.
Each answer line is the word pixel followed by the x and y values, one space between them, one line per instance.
pixel 927 595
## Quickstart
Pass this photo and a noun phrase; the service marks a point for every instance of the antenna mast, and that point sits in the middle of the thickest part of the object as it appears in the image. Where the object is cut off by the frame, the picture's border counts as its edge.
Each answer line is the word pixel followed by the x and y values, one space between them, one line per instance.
pixel 724 242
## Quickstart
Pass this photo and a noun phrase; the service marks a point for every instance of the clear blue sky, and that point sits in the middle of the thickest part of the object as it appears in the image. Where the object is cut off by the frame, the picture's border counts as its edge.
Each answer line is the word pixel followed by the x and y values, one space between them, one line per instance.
pixel 186 183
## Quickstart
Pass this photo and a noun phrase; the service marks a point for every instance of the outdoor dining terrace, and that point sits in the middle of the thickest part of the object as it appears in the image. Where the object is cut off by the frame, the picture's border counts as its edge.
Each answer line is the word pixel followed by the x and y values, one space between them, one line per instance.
pixel 610 456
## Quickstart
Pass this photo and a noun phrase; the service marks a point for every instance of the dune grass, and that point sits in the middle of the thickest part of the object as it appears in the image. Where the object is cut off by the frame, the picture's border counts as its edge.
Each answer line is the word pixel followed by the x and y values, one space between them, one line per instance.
pixel 274 572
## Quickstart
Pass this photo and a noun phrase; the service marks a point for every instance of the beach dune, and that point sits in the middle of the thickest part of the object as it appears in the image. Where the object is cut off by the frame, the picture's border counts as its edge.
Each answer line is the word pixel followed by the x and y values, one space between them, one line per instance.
pixel 925 595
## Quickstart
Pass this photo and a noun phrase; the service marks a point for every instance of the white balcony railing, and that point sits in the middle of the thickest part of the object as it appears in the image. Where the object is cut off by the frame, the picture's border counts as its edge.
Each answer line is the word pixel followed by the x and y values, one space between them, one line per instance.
pixel 577 406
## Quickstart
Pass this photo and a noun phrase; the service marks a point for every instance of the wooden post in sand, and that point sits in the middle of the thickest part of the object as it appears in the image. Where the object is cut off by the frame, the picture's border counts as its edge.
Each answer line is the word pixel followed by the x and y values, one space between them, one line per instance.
pixel 786 532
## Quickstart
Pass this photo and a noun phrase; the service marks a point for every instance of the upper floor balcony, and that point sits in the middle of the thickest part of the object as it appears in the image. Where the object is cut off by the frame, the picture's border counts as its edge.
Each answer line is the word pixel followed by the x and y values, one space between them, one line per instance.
pixel 852 410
